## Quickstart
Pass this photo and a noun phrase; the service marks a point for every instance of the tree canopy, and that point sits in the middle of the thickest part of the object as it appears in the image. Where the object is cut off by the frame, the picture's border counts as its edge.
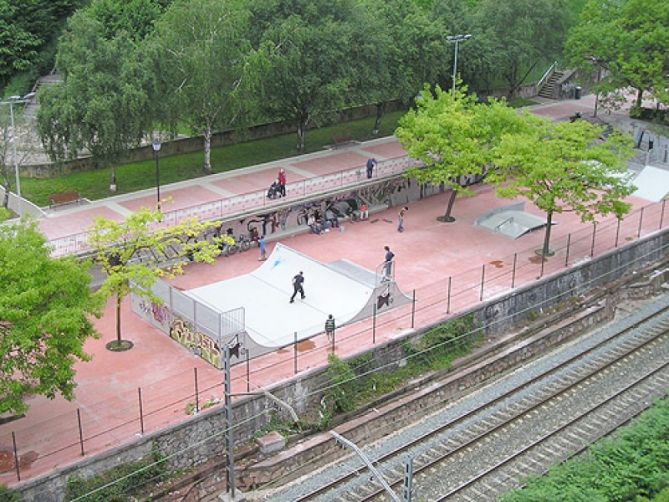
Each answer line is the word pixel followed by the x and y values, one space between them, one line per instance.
pixel 564 167
pixel 45 318
pixel 629 40
pixel 454 136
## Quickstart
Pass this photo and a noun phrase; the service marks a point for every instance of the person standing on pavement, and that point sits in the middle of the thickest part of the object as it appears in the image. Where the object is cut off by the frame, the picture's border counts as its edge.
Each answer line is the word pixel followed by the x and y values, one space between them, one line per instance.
pixel 400 219
pixel 330 328
pixel 387 264
pixel 371 163
pixel 282 182
pixel 261 246
pixel 298 281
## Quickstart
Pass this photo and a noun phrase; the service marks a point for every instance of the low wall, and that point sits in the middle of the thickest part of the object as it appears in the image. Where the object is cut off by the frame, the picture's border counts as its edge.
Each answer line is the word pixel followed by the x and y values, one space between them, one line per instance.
pixel 194 144
pixel 201 437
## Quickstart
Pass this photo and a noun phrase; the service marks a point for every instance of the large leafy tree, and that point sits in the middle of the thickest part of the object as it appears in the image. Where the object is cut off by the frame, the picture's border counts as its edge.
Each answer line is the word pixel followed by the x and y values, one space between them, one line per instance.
pixel 629 40
pixel 454 136
pixel 565 167
pixel 45 318
pixel 201 61
pixel 101 106
pixel 522 34
pixel 118 247
pixel 310 64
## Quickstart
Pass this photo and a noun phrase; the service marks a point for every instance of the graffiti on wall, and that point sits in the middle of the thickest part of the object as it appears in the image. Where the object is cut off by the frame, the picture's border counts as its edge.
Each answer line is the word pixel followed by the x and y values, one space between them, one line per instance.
pixel 159 313
pixel 198 343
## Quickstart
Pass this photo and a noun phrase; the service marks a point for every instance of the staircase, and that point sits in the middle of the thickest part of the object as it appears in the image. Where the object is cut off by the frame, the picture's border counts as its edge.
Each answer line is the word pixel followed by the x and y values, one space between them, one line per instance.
pixel 32 105
pixel 551 88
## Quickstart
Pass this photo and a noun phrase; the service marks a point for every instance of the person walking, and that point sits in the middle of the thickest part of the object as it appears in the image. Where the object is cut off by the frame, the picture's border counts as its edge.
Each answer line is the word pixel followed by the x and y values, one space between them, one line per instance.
pixel 298 281
pixel 261 246
pixel 282 182
pixel 387 264
pixel 330 328
pixel 371 164
pixel 400 219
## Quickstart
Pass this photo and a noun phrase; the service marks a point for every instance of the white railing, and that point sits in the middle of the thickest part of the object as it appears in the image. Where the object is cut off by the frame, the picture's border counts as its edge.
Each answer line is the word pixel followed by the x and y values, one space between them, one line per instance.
pixel 546 76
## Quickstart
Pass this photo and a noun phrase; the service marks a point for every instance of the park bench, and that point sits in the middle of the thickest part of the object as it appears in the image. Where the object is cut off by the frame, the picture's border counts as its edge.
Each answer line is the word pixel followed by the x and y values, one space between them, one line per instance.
pixel 59 199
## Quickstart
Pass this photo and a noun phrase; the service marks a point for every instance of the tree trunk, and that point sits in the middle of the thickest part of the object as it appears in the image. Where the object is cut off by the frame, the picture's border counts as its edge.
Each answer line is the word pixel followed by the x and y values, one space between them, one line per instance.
pixel 380 108
pixel 546 251
pixel 5 198
pixel 639 96
pixel 447 218
pixel 207 150
pixel 118 318
pixel 301 133
pixel 113 187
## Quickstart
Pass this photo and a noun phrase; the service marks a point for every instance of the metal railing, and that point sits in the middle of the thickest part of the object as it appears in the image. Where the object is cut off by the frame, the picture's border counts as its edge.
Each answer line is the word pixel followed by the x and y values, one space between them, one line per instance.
pixel 228 207
pixel 546 76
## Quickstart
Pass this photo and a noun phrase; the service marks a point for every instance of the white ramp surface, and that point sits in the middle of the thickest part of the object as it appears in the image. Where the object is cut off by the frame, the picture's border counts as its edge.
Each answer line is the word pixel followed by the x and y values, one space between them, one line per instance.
pixel 652 184
pixel 265 293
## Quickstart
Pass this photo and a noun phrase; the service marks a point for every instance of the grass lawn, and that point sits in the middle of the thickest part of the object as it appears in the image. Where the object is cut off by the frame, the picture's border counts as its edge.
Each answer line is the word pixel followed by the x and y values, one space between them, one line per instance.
pixel 140 175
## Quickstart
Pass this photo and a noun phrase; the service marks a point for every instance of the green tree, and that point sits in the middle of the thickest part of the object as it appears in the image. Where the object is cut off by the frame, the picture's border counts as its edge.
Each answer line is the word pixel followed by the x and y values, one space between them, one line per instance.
pixel 309 64
pixel 565 167
pixel 118 246
pixel 45 310
pixel 522 34
pixel 101 105
pixel 200 54
pixel 453 136
pixel 629 40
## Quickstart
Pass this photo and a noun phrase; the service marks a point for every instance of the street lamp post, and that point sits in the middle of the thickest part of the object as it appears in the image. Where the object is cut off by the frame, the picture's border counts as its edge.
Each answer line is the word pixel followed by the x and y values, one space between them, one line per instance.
pixel 156 148
pixel 11 101
pixel 456 39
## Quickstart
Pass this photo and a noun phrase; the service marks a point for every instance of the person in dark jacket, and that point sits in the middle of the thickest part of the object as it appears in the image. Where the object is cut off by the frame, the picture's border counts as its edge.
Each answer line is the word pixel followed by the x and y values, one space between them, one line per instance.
pixel 298 281
pixel 371 163
pixel 330 328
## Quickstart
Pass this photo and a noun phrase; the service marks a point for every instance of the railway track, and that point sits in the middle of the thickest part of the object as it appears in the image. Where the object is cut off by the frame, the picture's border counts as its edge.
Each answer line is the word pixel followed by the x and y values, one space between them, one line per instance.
pixel 456 460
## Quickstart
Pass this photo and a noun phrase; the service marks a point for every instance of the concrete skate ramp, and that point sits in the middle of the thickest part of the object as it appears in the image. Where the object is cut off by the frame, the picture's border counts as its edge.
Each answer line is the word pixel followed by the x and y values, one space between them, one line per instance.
pixel 652 184
pixel 511 221
pixel 271 321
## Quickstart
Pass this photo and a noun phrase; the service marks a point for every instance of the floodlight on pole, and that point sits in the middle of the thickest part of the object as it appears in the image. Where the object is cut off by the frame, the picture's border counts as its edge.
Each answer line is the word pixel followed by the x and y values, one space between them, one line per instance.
pixel 456 39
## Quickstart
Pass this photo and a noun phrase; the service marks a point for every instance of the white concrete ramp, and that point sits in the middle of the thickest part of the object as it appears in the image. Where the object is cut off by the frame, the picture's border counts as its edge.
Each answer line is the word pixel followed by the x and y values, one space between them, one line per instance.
pixel 342 289
pixel 652 184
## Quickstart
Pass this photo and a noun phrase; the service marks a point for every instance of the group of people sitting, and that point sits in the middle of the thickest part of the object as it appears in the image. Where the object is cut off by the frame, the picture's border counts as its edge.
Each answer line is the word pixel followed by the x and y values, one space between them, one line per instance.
pixel 319 223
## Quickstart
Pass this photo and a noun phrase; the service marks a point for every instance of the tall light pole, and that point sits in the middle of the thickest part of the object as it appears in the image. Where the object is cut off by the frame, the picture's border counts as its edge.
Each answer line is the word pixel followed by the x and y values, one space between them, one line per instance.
pixel 11 101
pixel 456 39
pixel 156 148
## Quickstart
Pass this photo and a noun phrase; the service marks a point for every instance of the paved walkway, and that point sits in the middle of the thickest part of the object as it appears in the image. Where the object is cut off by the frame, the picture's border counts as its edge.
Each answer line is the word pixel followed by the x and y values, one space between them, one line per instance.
pixel 429 256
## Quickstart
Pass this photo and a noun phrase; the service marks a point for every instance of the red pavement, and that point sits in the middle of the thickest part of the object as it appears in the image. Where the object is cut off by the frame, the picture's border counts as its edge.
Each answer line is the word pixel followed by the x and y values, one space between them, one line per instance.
pixel 428 253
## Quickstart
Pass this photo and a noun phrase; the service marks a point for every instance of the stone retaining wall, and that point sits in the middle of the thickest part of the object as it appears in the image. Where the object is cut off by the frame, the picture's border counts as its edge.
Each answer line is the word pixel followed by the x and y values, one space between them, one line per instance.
pixel 201 436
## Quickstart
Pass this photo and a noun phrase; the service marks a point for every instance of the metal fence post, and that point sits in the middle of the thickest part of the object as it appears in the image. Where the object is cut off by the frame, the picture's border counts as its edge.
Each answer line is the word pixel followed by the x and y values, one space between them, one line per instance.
pixel 413 308
pixel 638 234
pixel 664 202
pixel 617 232
pixel 513 271
pixel 448 297
pixel 374 324
pixel 81 432
pixel 295 352
pixel 482 281
pixel 592 244
pixel 16 457
pixel 141 411
pixel 543 261
pixel 248 370
pixel 197 393
pixel 566 257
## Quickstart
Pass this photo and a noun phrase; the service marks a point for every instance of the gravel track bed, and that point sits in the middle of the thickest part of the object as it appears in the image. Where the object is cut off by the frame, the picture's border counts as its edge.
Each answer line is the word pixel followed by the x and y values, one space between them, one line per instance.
pixel 441 481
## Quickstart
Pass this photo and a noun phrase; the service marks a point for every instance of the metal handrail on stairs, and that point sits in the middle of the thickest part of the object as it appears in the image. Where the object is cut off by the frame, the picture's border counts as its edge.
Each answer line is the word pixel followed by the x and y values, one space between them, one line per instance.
pixel 546 76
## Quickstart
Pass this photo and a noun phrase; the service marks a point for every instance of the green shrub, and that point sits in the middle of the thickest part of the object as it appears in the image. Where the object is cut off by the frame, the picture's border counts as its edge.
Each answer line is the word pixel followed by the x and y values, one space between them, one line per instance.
pixel 343 390
pixel 7 495
pixel 124 481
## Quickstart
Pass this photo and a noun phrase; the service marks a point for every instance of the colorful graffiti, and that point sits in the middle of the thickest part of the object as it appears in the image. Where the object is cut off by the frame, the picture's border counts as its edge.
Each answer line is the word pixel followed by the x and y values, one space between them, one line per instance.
pixel 196 342
pixel 159 313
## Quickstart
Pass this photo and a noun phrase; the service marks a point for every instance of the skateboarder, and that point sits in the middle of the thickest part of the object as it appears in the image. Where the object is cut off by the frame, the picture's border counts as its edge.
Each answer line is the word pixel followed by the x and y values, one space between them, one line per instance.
pixel 387 264
pixel 298 280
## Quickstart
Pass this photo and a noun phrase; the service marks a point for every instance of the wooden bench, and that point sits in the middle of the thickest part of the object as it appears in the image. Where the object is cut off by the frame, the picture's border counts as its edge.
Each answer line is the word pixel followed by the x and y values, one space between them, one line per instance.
pixel 58 199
